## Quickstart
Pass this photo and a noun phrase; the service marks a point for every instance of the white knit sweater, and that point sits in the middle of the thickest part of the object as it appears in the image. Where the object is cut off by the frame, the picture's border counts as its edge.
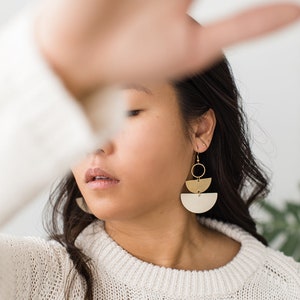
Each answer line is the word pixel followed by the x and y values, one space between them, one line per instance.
pixel 37 269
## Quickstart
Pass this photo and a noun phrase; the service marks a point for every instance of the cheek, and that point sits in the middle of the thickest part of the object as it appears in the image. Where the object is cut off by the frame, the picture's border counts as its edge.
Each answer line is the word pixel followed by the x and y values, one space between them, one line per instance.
pixel 145 145
pixel 79 173
pixel 157 157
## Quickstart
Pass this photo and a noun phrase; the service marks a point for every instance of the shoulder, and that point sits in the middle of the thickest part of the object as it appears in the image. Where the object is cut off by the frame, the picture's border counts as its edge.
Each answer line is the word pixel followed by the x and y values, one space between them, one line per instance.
pixel 16 248
pixel 278 276
pixel 267 268
pixel 280 265
pixel 34 262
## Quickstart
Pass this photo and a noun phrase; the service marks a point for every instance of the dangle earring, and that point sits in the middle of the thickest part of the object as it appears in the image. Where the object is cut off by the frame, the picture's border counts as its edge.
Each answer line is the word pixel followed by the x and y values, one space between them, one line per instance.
pixel 198 202
pixel 82 205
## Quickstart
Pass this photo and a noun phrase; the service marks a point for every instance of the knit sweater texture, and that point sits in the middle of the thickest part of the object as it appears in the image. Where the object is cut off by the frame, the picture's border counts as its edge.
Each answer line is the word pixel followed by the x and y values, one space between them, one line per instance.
pixel 39 269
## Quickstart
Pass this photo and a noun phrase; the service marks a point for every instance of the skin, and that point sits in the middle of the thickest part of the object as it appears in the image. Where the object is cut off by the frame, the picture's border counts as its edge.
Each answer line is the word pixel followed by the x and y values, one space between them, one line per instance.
pixel 152 157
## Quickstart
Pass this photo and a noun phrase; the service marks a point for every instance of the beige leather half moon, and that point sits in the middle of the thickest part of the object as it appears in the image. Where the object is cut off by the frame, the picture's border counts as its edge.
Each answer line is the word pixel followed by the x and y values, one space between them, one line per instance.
pixel 198 203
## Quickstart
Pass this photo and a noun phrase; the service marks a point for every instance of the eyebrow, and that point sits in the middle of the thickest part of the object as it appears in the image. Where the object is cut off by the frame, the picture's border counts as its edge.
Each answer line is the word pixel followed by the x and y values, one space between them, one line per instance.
pixel 137 87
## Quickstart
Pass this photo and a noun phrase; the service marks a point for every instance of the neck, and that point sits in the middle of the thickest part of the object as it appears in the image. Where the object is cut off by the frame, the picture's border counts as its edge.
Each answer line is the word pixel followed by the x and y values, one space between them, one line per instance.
pixel 172 241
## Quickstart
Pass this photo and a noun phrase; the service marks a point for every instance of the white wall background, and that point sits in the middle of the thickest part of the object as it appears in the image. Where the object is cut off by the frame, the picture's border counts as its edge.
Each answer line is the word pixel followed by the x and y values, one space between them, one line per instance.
pixel 268 75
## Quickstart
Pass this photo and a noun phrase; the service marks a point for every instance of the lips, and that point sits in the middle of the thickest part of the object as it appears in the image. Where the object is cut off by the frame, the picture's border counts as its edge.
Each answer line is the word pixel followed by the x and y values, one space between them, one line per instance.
pixel 97 174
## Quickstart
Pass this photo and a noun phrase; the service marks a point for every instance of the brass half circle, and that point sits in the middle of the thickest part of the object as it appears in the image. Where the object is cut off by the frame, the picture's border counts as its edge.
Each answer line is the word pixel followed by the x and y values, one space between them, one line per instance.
pixel 198 186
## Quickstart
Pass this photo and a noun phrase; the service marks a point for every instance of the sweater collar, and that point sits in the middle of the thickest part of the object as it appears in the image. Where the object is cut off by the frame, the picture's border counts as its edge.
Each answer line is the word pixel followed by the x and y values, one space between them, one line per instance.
pixel 112 260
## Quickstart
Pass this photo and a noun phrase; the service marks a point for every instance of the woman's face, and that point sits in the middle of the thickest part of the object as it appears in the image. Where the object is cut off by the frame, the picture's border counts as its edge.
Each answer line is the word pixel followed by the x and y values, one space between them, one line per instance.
pixel 143 169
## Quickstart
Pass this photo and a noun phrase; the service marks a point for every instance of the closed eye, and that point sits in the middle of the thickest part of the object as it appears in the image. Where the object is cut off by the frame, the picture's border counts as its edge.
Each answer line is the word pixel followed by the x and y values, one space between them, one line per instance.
pixel 133 113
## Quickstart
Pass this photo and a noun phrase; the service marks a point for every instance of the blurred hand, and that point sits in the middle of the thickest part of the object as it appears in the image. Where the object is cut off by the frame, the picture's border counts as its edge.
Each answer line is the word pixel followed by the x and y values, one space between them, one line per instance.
pixel 98 42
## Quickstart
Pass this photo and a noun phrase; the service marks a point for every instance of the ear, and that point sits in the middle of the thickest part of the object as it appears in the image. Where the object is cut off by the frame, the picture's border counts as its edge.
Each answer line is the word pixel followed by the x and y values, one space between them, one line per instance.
pixel 203 131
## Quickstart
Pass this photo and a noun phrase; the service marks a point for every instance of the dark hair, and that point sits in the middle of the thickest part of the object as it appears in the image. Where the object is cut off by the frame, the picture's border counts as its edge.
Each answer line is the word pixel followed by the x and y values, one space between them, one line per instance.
pixel 229 161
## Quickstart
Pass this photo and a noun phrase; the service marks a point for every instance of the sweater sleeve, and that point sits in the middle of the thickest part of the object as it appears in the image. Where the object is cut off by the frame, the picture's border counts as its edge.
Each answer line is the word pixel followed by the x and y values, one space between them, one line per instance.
pixel 43 129
pixel 32 268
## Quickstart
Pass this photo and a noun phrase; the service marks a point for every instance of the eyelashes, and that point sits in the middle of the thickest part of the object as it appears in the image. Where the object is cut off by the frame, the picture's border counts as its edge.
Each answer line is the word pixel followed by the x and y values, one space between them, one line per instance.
pixel 133 113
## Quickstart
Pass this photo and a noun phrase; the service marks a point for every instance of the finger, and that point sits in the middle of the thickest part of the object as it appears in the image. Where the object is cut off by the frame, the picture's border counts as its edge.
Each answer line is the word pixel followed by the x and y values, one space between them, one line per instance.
pixel 253 23
pixel 245 26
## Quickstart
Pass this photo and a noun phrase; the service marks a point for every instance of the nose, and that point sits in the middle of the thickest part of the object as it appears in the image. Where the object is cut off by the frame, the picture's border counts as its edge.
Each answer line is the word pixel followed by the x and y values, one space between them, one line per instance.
pixel 106 149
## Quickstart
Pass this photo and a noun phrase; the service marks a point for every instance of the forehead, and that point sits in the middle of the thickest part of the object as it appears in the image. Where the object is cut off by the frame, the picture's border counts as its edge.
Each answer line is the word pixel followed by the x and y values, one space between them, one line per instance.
pixel 137 87
pixel 154 91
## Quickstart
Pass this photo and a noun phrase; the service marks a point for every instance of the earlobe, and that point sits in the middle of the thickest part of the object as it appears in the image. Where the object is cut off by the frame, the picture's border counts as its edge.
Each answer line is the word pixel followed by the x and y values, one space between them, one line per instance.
pixel 204 130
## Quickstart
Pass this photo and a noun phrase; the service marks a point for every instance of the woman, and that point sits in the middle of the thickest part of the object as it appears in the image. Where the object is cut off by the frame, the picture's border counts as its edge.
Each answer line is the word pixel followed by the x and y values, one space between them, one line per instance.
pixel 134 185
pixel 148 245
pixel 71 51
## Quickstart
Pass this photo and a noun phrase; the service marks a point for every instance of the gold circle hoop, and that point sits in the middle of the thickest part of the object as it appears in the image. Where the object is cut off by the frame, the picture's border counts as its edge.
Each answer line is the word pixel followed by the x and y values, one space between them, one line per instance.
pixel 193 167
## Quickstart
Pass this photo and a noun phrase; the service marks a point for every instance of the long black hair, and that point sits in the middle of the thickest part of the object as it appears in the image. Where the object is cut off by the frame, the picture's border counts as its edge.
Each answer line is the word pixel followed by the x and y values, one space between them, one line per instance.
pixel 237 177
